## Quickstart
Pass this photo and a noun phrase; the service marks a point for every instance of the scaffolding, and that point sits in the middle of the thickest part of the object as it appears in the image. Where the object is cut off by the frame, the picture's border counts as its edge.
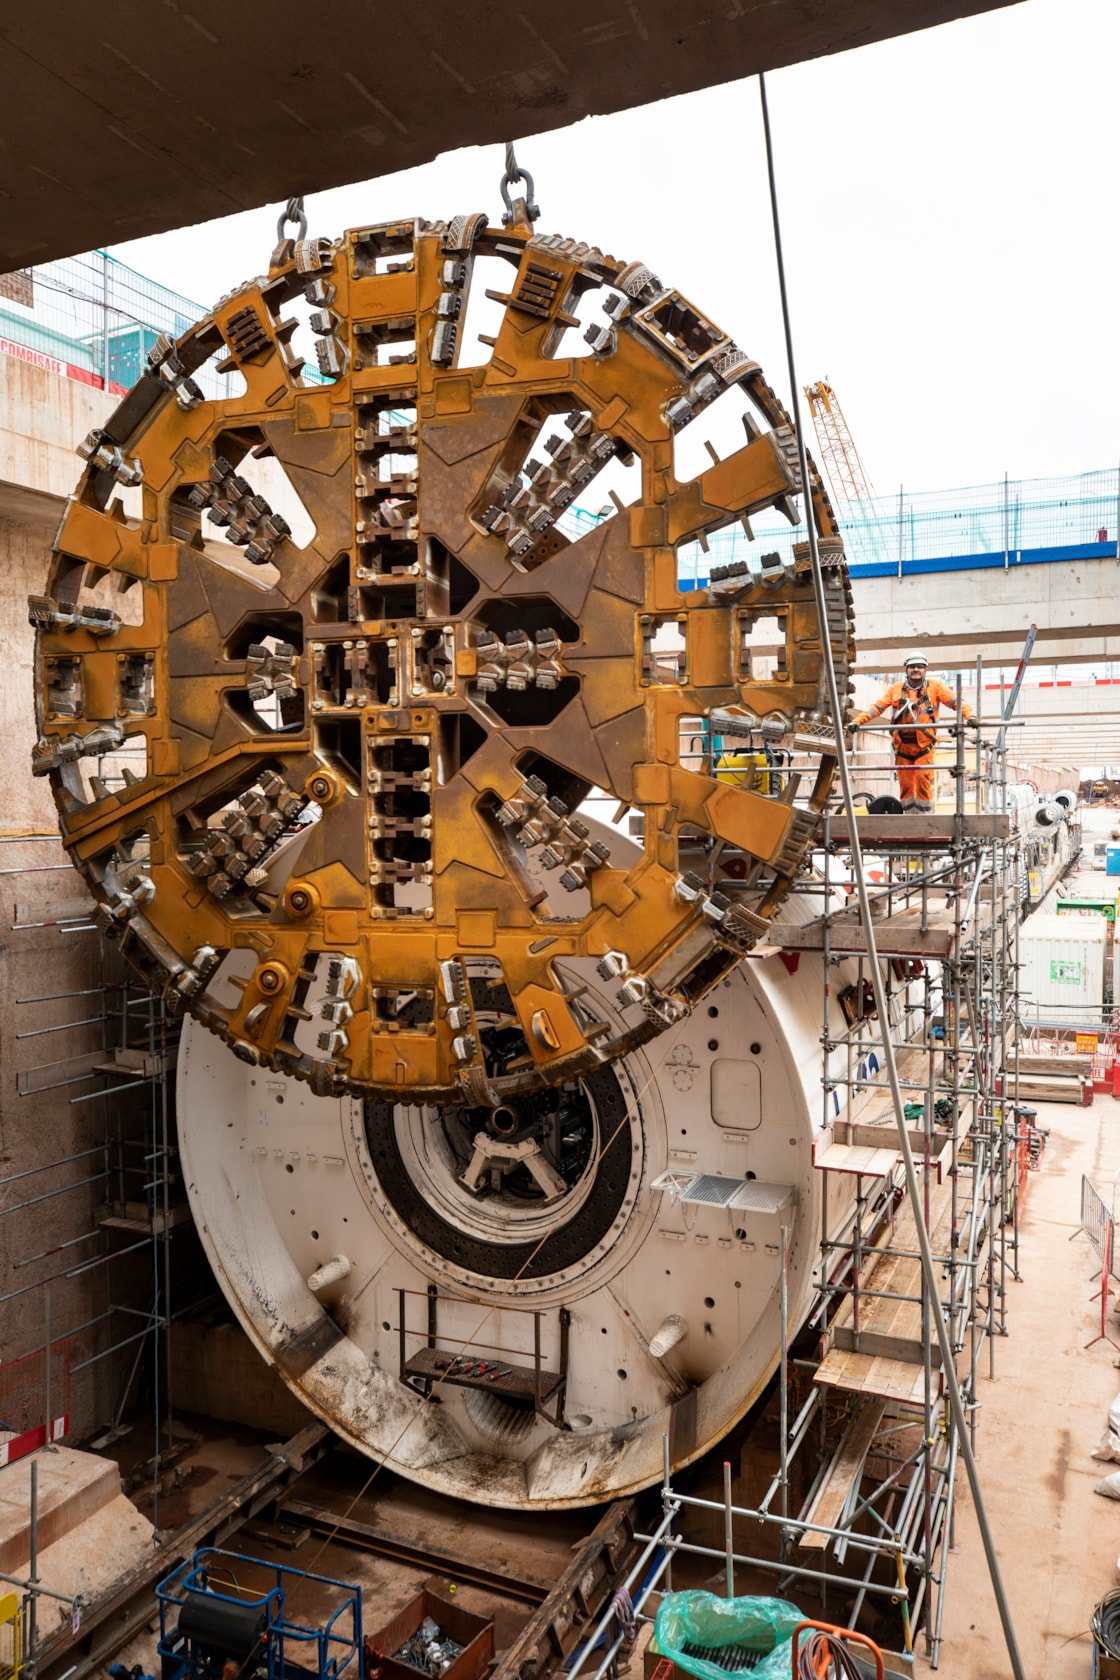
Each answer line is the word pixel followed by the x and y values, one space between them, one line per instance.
pixel 862 1500
pixel 948 912
pixel 93 319
pixel 112 1065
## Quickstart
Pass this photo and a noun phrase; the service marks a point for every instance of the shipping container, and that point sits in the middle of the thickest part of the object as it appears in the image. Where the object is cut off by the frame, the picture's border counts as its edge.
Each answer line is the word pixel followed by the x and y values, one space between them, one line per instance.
pixel 1105 907
pixel 1063 964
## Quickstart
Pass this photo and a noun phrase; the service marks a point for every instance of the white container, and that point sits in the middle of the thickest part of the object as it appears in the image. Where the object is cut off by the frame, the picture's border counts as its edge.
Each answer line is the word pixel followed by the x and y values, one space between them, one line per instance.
pixel 1063 960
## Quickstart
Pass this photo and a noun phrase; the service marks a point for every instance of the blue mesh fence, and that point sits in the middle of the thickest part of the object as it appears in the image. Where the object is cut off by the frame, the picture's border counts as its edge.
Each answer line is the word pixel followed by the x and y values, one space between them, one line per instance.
pixel 1012 518
pixel 1040 518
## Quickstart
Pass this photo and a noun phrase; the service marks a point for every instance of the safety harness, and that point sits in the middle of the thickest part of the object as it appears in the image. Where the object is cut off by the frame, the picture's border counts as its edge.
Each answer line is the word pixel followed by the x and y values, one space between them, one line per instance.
pixel 916 710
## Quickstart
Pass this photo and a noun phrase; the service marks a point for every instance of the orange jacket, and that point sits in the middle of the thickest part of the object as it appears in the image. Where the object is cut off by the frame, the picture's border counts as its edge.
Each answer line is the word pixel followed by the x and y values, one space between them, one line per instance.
pixel 914 706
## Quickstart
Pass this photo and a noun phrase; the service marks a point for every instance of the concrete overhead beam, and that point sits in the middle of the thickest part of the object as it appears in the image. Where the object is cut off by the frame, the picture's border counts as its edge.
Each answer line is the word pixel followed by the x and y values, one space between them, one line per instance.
pixel 166 115
pixel 1000 653
pixel 1094 704
pixel 956 615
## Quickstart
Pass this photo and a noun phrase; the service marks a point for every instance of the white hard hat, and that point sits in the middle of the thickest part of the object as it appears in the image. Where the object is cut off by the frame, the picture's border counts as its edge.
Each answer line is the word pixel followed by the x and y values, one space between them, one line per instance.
pixel 915 657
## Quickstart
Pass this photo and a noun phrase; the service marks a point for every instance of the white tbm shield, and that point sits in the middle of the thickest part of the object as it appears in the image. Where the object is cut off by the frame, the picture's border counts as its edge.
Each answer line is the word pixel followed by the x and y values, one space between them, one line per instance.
pixel 517 1305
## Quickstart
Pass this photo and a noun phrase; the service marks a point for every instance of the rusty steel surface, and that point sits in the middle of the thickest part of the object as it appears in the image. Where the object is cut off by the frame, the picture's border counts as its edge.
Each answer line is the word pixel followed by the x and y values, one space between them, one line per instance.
pixel 358 762
pixel 510 1578
pixel 577 1599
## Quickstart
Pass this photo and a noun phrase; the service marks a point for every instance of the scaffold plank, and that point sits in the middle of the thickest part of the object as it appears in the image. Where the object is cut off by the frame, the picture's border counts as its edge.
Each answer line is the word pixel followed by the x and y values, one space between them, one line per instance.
pixel 863 1373
pixel 870 1121
pixel 904 828
pixel 1048 1067
pixel 844 1471
pixel 890 1312
pixel 906 933
pixel 1034 1089
pixel 875 1127
pixel 855 1158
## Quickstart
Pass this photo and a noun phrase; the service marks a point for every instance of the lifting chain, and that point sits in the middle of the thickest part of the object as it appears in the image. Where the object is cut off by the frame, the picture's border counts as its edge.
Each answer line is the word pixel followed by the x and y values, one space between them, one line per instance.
pixel 513 174
pixel 293 211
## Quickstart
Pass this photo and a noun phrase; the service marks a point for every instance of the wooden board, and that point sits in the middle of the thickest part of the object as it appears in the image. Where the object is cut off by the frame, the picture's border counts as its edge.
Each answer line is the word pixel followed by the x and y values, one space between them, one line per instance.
pixel 908 828
pixel 1045 1067
pixel 899 935
pixel 875 1131
pixel 861 1373
pixel 844 1471
pixel 1050 1090
pixel 872 1123
pixel 871 1162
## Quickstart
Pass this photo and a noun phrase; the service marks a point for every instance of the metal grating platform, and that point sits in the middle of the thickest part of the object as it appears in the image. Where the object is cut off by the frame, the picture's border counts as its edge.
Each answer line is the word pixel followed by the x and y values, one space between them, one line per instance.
pixel 734 1659
pixel 716 1192
pixel 746 1195
pixel 513 1382
pixel 755 1196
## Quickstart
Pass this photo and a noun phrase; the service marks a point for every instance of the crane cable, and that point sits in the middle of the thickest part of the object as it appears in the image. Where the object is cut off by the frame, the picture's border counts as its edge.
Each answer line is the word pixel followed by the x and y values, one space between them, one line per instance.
pixel 929 1271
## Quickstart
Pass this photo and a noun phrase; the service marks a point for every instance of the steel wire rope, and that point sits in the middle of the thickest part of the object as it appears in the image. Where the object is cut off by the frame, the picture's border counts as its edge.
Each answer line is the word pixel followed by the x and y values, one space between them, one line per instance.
pixel 467 1342
pixel 1105 1625
pixel 293 212
pixel 821 1656
pixel 929 1272
pixel 513 174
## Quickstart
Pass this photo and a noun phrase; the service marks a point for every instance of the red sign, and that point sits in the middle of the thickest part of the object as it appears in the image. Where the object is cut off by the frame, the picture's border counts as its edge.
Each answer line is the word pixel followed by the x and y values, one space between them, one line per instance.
pixel 18 1446
pixel 51 364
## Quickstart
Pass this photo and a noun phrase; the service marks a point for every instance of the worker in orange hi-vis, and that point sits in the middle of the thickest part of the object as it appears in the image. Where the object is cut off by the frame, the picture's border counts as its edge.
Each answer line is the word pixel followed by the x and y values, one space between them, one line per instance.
pixel 913 705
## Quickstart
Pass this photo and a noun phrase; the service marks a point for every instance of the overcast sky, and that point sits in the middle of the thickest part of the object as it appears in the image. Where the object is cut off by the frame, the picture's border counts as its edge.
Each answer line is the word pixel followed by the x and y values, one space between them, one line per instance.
pixel 950 218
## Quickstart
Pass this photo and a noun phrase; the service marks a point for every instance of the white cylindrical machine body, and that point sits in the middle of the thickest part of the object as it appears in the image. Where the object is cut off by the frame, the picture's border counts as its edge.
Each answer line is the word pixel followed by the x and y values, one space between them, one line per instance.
pixel 699 1149
pixel 1020 800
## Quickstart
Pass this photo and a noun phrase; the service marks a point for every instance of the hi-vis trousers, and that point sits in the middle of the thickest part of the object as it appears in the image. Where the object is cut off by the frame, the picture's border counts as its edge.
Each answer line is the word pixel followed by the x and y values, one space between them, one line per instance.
pixel 915 782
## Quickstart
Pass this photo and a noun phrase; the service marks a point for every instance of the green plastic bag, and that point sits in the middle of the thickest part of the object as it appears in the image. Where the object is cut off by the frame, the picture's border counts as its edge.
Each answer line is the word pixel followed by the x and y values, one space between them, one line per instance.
pixel 700 1618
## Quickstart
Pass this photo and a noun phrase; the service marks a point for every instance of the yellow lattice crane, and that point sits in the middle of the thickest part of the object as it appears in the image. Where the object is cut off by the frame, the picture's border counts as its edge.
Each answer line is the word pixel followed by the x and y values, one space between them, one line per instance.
pixel 839 455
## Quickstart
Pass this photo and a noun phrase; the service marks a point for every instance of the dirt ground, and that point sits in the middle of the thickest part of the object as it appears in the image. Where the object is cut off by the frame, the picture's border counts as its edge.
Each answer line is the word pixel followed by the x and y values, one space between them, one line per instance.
pixel 1058 1541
